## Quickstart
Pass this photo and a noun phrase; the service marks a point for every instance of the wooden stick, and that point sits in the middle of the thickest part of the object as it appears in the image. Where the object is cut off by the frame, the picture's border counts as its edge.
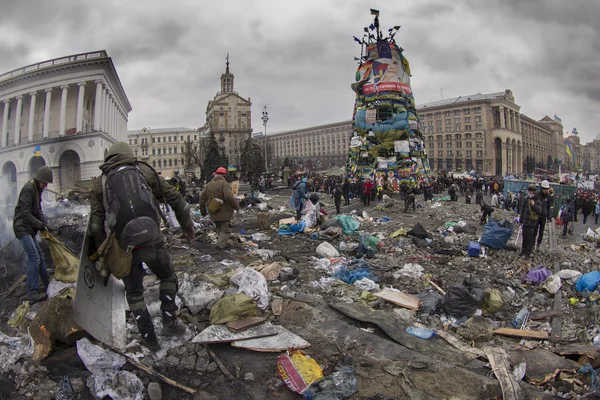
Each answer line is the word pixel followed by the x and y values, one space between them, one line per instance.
pixel 439 289
pixel 158 375
pixel 13 287
pixel 221 366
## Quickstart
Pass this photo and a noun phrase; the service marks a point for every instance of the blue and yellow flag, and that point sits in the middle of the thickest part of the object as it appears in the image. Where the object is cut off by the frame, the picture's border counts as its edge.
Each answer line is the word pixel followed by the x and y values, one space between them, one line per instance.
pixel 569 150
pixel 374 12
pixel 37 151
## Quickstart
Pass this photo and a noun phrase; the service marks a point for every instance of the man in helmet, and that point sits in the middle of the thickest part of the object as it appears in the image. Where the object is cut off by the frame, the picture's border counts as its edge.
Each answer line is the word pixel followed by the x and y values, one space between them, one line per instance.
pixel 153 251
pixel 28 220
pixel 546 214
pixel 218 201
pixel 532 208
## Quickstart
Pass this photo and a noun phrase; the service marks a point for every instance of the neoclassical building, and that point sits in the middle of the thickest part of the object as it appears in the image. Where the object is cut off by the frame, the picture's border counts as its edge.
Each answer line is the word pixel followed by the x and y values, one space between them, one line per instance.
pixel 64 113
pixel 229 118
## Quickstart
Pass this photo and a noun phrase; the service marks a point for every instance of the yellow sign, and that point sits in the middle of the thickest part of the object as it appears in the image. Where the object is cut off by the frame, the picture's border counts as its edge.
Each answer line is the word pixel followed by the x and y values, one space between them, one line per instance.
pixel 235 187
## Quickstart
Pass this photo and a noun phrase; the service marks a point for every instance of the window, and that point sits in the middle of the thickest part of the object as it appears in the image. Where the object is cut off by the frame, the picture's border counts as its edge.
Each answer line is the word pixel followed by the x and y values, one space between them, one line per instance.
pixel 448 137
pixel 449 153
pixel 457 136
pixel 448 129
pixel 468 128
pixel 170 149
pixel 458 145
pixel 130 142
pixel 175 162
pixel 469 153
pixel 459 153
pixel 448 121
pixel 175 150
pixel 478 118
pixel 153 152
pixel 479 153
pixel 469 144
pixel 154 164
pixel 438 122
pixel 466 111
pixel 169 138
pixel 181 139
pixel 478 136
pixel 135 141
pixel 477 110
pixel 440 153
pixel 457 120
pixel 448 145
pixel 467 119
pixel 182 161
pixel 457 127
pixel 170 162
pixel 153 140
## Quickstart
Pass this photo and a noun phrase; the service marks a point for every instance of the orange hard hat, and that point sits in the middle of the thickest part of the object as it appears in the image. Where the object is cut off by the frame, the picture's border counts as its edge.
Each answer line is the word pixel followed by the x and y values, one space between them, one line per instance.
pixel 221 170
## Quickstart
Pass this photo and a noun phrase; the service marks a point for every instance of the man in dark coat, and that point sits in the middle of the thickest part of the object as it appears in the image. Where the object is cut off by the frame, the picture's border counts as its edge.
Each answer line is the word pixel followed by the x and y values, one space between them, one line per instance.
pixel 544 197
pixel 346 192
pixel 566 215
pixel 28 220
pixel 153 253
pixel 532 208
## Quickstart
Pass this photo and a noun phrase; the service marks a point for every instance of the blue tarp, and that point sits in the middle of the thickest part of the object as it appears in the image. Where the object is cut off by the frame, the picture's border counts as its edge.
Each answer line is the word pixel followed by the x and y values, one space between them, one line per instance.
pixel 292 228
pixel 494 235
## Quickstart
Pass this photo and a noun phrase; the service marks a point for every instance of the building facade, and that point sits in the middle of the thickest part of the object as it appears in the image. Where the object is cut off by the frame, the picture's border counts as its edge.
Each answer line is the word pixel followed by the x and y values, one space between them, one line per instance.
pixel 485 133
pixel 64 113
pixel 229 118
pixel 167 150
pixel 576 162
pixel 317 147
pixel 591 156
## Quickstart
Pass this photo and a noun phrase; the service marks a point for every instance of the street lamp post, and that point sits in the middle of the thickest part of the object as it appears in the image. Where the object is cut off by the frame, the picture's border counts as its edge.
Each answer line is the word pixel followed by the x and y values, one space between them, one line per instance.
pixel 265 119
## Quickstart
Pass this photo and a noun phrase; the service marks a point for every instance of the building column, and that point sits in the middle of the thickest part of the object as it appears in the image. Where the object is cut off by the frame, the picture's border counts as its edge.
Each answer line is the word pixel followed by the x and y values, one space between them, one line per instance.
pixel 502 122
pixel 504 163
pixel 33 96
pixel 47 113
pixel 97 105
pixel 17 133
pixel 5 123
pixel 79 112
pixel 63 110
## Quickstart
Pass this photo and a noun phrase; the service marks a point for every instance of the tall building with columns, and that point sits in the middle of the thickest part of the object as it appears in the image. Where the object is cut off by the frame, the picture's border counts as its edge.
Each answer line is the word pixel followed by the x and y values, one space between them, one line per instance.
pixel 229 118
pixel 64 113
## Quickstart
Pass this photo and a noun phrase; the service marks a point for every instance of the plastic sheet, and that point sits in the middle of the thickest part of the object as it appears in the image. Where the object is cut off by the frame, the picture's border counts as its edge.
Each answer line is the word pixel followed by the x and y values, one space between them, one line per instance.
pixel 495 236
pixel 349 225
pixel 359 271
pixel 253 284
pixel 538 275
pixel 12 350
pixel 367 284
pixel 198 296
pixel 326 250
pixel 292 229
pixel 588 282
pixel 107 380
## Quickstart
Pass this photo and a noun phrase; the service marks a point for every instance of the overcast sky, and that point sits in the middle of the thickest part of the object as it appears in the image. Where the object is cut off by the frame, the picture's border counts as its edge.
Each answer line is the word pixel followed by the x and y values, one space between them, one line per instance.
pixel 296 57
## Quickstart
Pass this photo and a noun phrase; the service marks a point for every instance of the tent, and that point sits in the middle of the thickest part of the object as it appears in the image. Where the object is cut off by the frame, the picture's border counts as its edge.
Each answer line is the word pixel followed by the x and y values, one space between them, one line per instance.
pixel 335 171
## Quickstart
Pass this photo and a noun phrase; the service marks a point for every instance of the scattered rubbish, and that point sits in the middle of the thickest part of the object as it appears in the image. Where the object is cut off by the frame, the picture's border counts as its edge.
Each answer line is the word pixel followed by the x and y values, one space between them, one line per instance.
pixel 419 232
pixel 12 350
pixel 298 370
pixel 499 360
pixel 284 340
pixel 429 302
pixel 253 284
pixel 402 299
pixel 55 287
pixel 269 271
pixel 66 265
pixel 197 296
pixel 410 270
pixel 266 254
pixel 399 232
pixel 461 301
pixel 359 271
pixel 476 329
pixel 366 284
pixel 107 379
pixel 537 275
pixel 349 225
pixel 419 332
pixel 287 221
pixel 474 249
pixel 326 250
pixel 519 371
pixel 569 275
pixel 495 236
pixel 232 308
pixel 291 229
pixel 542 365
pixel 552 284
pixel 339 385
pixel 277 305
pixel 521 318
pixel 588 282
pixel 492 300
pixel 522 333
pixel 222 334
pixel 206 258
pixel 18 316
pixel 245 323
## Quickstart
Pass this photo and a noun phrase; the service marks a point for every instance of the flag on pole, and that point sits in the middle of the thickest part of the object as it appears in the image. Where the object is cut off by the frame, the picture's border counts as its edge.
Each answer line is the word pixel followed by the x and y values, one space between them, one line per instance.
pixel 557 118
pixel 374 12
pixel 575 132
pixel 37 151
pixel 569 150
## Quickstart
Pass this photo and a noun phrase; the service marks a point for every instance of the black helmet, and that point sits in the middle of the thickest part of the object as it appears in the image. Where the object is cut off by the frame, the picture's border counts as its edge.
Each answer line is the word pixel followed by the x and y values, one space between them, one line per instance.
pixel 532 187
pixel 44 174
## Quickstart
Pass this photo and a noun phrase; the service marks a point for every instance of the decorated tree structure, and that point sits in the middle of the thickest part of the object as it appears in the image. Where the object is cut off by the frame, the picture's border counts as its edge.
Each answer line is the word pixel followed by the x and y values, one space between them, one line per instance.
pixel 387 139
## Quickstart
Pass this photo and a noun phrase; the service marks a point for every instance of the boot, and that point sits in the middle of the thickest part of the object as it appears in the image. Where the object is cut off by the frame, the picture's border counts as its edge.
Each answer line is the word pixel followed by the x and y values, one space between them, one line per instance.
pixel 151 342
pixel 172 327
pixel 36 297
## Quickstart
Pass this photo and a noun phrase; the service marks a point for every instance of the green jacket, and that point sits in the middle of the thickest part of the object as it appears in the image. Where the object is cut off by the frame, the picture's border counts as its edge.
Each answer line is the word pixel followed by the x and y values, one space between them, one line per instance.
pixel 29 217
pixel 219 188
pixel 159 187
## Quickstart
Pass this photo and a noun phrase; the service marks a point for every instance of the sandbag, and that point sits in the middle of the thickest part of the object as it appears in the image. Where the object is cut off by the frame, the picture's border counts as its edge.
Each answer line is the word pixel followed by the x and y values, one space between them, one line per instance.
pixel 462 301
pixel 66 265
pixel 419 232
pixel 494 235
pixel 231 308
pixel 326 250
pixel 492 301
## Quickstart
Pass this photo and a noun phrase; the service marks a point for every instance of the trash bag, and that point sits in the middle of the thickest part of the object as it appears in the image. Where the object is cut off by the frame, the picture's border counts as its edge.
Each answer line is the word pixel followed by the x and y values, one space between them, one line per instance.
pixel 252 283
pixel 349 225
pixel 231 308
pixel 292 229
pixel 429 302
pixel 588 282
pixel 358 270
pixel 66 265
pixel 419 232
pixel 326 250
pixel 462 301
pixel 492 301
pixel 331 222
pixel 364 251
pixel 477 329
pixel 494 235
pixel 552 284
pixel 537 275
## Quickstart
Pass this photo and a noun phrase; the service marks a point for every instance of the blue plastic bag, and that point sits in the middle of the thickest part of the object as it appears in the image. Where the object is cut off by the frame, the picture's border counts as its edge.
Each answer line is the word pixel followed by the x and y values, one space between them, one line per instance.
pixel 588 282
pixel 495 236
pixel 362 270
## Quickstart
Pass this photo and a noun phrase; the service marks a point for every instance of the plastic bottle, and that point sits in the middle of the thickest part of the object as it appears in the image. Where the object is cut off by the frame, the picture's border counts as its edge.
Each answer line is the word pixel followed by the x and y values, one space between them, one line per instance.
pixel 419 332
pixel 520 318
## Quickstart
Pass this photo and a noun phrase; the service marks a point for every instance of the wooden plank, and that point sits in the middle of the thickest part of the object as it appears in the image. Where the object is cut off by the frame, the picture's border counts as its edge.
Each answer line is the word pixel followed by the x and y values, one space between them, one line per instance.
pixel 501 366
pixel 221 334
pixel 287 221
pixel 158 375
pixel 534 316
pixel 402 299
pixel 281 342
pixel 459 345
pixel 245 323
pixel 522 333
pixel 14 287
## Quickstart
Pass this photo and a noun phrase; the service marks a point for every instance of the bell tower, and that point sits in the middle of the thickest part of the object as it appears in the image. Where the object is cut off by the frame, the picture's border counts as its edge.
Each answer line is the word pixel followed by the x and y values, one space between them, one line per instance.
pixel 227 78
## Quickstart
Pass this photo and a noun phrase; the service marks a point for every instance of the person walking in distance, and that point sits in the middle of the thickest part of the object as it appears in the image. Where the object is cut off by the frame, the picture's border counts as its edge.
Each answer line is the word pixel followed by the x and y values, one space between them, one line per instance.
pixel 217 200
pixel 125 200
pixel 337 198
pixel 566 215
pixel 410 200
pixel 367 189
pixel 532 208
pixel 28 220
pixel 544 197
pixel 346 192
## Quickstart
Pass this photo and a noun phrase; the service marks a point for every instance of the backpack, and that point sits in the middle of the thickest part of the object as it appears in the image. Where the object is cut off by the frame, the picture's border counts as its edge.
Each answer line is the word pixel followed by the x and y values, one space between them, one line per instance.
pixel 131 209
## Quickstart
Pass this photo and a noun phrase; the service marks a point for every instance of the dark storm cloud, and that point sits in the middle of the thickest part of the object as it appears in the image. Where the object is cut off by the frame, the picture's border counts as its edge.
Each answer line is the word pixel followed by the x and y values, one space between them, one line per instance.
pixel 297 57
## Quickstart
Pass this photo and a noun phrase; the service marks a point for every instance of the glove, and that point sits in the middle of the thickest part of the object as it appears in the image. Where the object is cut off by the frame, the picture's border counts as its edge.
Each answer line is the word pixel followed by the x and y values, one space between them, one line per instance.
pixel 190 233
